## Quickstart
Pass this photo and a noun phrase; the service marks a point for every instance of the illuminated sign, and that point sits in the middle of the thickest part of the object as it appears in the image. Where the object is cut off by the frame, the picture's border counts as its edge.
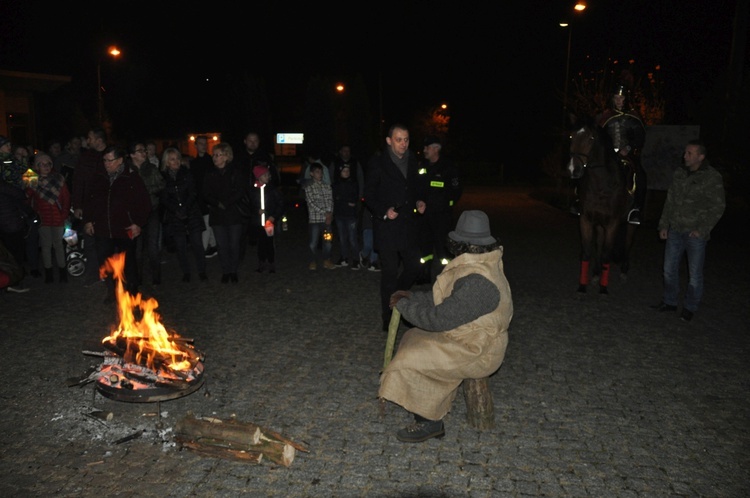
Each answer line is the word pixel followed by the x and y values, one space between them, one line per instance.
pixel 290 138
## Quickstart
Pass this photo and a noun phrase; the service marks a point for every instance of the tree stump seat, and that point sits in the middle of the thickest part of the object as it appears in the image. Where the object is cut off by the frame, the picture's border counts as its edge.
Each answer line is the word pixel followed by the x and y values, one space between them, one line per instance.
pixel 480 411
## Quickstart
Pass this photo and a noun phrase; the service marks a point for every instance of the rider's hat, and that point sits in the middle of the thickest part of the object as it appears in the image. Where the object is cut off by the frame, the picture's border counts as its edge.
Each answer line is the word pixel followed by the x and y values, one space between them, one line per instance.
pixel 621 90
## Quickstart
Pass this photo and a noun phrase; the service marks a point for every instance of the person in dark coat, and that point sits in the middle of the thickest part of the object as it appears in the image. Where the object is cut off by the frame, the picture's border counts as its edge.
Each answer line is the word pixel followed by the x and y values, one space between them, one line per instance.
pixel 116 206
pixel 267 207
pixel 391 195
pixel 183 220
pixel 223 188
pixel 440 189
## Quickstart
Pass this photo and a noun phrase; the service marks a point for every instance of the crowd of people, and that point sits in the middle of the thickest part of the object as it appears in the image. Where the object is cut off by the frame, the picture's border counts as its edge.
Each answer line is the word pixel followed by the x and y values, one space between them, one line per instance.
pixel 214 204
pixel 392 215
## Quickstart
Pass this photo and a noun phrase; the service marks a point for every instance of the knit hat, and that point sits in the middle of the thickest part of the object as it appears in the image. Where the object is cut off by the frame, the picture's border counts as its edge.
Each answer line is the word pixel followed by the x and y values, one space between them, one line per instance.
pixel 259 171
pixel 473 227
pixel 3 140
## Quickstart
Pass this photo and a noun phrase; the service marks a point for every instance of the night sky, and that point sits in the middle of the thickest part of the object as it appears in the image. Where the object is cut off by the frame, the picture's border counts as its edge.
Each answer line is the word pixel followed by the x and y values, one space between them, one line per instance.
pixel 501 68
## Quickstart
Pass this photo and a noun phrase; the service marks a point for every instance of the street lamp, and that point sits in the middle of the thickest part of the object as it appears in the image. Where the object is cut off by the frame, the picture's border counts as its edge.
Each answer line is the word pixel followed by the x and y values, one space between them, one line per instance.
pixel 114 52
pixel 579 7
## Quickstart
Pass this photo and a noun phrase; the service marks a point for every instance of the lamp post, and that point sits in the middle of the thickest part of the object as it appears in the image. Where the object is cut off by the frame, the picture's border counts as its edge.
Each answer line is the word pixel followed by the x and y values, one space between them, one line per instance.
pixel 114 52
pixel 579 7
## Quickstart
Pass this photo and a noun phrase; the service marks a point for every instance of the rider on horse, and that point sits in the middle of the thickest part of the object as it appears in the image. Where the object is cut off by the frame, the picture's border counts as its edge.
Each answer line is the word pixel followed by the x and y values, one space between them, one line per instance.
pixel 625 127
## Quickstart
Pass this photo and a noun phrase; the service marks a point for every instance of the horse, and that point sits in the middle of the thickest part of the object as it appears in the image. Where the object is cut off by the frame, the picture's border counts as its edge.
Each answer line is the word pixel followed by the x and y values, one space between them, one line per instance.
pixel 606 236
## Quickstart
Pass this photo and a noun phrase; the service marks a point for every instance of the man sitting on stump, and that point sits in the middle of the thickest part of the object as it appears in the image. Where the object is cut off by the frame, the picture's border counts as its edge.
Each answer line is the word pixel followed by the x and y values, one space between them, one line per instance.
pixel 460 329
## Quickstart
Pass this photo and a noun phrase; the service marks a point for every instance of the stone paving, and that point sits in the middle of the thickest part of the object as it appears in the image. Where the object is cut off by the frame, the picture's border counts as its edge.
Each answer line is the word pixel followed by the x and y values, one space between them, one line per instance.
pixel 598 396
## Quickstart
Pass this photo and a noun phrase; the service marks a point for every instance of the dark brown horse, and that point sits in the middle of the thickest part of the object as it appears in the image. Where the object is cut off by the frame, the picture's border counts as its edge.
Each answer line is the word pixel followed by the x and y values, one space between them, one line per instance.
pixel 604 202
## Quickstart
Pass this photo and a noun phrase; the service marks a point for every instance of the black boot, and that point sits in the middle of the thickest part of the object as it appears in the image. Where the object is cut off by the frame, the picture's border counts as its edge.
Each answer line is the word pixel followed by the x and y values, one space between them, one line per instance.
pixel 48 276
pixel 63 275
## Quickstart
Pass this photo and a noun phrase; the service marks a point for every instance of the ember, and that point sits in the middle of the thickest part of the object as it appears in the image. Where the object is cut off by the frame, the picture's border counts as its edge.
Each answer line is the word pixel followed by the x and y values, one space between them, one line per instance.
pixel 143 361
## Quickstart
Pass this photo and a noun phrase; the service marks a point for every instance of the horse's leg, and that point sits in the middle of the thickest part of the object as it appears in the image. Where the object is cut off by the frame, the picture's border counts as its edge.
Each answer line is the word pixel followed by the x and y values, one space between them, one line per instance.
pixel 627 245
pixel 610 234
pixel 586 236
pixel 600 238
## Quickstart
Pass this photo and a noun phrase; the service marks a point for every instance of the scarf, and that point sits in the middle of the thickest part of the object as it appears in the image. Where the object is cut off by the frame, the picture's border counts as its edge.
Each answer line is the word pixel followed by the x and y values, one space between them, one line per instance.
pixel 48 187
pixel 401 163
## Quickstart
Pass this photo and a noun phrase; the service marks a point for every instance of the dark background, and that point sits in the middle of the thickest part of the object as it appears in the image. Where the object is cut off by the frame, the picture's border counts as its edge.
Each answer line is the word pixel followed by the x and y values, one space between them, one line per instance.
pixel 220 66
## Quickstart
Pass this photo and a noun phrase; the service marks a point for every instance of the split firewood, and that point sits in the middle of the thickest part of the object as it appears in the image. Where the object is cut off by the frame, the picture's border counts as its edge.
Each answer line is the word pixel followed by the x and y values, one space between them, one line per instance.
pixel 235 433
pixel 276 451
pixel 213 451
pixel 272 434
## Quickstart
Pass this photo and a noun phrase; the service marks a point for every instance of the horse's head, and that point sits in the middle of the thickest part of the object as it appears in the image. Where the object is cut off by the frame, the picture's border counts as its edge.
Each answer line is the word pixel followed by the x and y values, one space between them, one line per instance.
pixel 582 139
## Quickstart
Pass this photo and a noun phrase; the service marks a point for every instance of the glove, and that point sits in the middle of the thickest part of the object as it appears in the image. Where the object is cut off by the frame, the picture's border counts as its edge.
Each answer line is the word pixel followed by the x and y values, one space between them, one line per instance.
pixel 397 296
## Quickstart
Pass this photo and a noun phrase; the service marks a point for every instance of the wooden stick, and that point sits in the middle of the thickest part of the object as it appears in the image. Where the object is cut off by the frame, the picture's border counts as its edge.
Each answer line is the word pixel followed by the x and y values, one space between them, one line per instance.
pixel 214 451
pixel 392 332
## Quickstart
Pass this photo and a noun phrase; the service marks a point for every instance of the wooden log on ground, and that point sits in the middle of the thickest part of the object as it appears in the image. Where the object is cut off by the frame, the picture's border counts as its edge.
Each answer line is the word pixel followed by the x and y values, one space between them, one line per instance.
pixel 276 451
pixel 480 411
pixel 226 453
pixel 243 435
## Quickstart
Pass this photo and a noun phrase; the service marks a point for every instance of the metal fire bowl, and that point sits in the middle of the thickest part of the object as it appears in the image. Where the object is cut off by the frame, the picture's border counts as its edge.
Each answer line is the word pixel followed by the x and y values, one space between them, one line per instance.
pixel 148 395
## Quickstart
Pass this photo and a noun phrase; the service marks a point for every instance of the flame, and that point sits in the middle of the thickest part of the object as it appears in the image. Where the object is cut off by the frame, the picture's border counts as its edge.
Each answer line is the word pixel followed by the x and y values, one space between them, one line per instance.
pixel 146 340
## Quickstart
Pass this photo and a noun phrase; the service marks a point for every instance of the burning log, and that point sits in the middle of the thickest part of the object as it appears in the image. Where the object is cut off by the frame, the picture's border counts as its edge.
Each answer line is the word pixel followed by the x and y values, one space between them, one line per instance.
pixel 216 437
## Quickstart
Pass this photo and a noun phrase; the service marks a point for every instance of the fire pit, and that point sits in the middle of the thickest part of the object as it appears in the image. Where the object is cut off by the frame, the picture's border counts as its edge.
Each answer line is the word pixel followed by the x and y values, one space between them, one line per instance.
pixel 143 362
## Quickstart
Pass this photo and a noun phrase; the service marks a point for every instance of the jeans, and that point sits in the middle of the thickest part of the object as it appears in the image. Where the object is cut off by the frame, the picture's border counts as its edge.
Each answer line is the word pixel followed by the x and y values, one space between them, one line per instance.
pixel 148 243
pixel 367 245
pixel 316 235
pixel 196 247
pixel 228 240
pixel 678 244
pixel 346 229
pixel 208 234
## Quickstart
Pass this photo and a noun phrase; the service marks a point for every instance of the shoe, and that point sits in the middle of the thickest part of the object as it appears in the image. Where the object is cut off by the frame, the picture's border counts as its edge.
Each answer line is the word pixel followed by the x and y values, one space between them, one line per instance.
pixel 211 251
pixel 421 431
pixel 374 266
pixel 341 262
pixel 233 278
pixel 225 278
pixel 203 276
pixel 686 315
pixel 186 277
pixel 328 265
pixel 354 265
pixel 18 289
pixel 634 217
pixel 664 307
pixel 35 273
pixel 312 266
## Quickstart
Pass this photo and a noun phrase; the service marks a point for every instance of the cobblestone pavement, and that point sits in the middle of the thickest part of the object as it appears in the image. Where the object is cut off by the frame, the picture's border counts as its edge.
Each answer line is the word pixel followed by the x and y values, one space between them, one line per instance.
pixel 598 396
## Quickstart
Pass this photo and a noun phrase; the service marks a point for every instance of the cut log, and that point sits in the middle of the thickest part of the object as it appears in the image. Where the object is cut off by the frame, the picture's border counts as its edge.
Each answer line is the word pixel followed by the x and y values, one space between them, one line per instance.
pixel 480 411
pixel 276 451
pixel 242 435
pixel 226 453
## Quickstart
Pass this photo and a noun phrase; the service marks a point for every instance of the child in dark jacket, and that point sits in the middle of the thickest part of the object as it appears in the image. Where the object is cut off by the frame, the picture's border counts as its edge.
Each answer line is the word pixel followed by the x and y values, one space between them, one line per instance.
pixel 268 202
pixel 345 207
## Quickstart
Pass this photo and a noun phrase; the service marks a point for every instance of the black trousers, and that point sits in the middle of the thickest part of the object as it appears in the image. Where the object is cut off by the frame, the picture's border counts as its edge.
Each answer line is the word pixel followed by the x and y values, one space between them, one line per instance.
pixel 391 280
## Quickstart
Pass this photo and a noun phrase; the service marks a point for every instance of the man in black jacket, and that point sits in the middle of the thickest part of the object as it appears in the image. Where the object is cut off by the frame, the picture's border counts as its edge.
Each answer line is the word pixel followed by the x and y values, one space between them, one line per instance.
pixel 391 196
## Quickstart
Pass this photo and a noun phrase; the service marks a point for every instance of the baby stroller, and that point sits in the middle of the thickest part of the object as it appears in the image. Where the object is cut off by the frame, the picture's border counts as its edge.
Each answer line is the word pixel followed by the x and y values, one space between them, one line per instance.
pixel 75 261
